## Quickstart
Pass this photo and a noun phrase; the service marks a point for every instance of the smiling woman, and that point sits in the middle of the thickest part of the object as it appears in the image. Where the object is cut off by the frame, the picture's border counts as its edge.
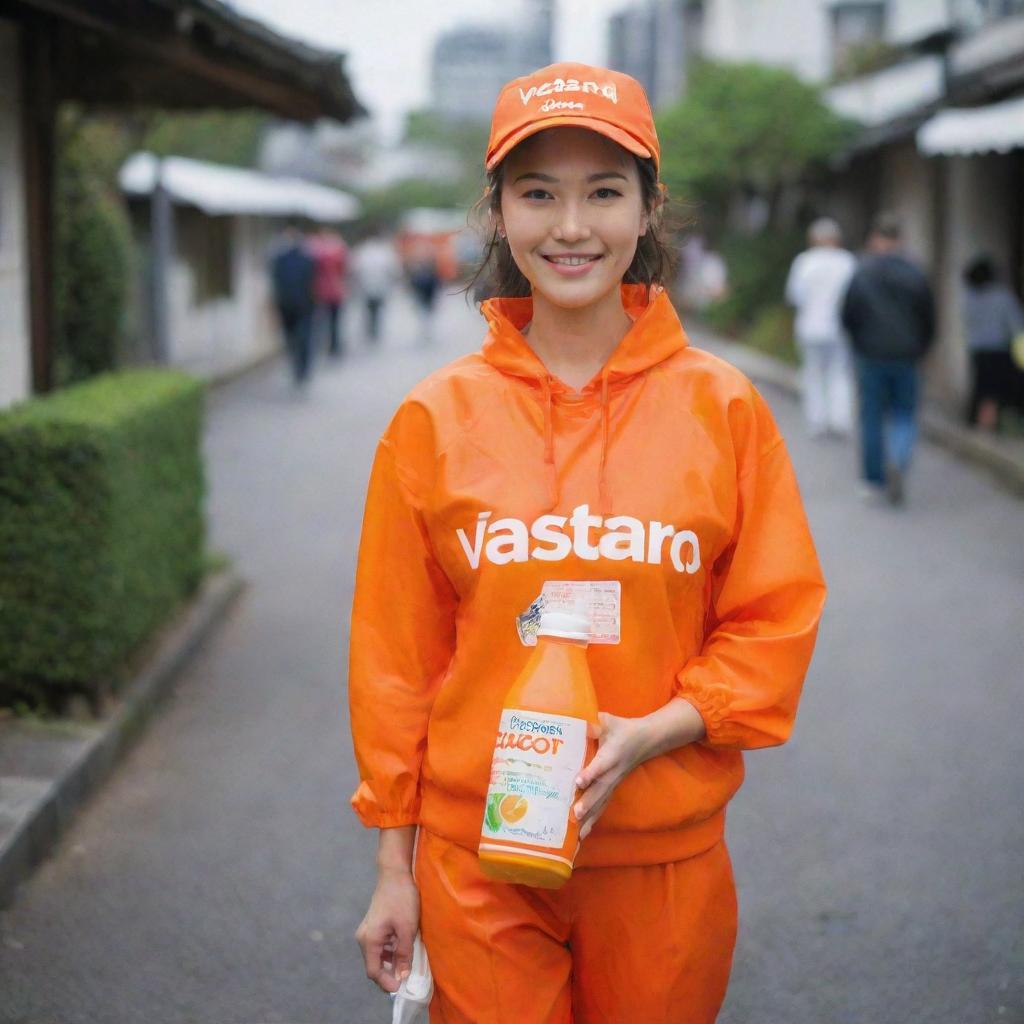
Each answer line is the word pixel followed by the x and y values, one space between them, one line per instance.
pixel 585 456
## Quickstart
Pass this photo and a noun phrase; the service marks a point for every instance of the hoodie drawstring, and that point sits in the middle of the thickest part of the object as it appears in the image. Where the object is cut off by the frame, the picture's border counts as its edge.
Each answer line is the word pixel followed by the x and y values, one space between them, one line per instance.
pixel 604 496
pixel 549 445
pixel 603 491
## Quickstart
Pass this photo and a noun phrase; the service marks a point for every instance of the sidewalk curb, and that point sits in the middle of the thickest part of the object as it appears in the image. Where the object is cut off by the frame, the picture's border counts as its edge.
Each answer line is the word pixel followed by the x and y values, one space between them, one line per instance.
pixel 964 443
pixel 37 807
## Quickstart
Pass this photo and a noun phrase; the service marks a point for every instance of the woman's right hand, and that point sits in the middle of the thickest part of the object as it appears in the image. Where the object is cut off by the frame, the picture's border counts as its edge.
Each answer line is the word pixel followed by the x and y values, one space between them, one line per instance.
pixel 387 931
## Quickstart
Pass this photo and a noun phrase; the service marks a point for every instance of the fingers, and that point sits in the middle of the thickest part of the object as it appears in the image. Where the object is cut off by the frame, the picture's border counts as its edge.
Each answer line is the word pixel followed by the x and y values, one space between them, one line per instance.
pixel 600 763
pixel 379 969
pixel 403 952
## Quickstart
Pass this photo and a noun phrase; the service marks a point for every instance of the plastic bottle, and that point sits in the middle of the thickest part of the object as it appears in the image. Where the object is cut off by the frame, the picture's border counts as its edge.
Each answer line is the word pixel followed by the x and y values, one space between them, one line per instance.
pixel 529 835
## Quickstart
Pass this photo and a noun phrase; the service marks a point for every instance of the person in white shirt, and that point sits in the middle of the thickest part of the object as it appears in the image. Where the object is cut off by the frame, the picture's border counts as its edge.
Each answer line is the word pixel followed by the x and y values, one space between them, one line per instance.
pixel 377 269
pixel 816 286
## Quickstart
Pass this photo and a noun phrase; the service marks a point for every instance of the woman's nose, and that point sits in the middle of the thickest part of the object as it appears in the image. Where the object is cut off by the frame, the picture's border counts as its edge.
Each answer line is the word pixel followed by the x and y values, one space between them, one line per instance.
pixel 570 226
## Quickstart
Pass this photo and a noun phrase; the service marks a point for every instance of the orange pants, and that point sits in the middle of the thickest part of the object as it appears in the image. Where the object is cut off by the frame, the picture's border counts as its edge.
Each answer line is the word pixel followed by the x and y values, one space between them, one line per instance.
pixel 629 945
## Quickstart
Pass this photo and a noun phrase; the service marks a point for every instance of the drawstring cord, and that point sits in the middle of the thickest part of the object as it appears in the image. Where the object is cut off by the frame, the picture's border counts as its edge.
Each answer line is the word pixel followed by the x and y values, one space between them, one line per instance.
pixel 603 492
pixel 549 444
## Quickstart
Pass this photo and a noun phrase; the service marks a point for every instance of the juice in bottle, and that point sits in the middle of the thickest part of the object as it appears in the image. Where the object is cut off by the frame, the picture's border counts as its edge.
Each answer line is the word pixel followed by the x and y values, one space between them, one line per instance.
pixel 529 835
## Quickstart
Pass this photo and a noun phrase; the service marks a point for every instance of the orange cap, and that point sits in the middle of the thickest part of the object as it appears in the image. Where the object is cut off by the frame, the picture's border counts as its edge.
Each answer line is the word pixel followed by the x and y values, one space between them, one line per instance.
pixel 573 95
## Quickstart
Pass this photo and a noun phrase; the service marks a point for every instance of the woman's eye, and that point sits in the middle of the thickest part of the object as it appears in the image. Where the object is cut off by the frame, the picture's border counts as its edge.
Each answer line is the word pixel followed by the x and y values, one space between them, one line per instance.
pixel 606 193
pixel 536 193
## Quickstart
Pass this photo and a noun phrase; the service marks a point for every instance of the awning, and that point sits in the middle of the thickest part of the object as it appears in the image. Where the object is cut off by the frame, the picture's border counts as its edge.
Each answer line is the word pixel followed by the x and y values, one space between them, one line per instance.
pixel 220 190
pixel 994 129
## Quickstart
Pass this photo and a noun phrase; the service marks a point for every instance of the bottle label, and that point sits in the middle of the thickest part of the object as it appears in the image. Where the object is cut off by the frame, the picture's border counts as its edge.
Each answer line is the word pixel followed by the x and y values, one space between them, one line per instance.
pixel 533 777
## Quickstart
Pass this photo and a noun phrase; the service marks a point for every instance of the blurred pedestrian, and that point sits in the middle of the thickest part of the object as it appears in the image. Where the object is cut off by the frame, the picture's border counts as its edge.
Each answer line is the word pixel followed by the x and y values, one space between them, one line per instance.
pixel 331 255
pixel 377 269
pixel 992 319
pixel 889 314
pixel 817 283
pixel 292 271
pixel 424 279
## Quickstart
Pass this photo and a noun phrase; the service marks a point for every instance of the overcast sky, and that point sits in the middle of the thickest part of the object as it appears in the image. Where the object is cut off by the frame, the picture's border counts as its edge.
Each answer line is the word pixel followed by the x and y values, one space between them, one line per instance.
pixel 389 41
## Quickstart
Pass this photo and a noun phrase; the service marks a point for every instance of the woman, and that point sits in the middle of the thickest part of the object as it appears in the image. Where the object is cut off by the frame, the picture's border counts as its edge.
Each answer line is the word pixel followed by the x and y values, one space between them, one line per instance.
pixel 992 318
pixel 586 442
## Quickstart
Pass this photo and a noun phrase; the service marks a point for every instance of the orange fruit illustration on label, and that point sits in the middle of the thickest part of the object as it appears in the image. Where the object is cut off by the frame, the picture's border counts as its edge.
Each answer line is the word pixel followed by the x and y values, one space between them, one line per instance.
pixel 512 808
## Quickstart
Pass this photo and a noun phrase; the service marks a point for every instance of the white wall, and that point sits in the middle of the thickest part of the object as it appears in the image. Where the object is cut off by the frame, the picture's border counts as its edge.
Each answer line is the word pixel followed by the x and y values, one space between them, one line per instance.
pixel 797 34
pixel 793 35
pixel 218 337
pixel 15 350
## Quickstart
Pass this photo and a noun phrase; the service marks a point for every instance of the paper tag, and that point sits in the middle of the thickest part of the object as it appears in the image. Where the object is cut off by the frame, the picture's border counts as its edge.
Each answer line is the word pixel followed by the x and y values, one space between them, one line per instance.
pixel 599 600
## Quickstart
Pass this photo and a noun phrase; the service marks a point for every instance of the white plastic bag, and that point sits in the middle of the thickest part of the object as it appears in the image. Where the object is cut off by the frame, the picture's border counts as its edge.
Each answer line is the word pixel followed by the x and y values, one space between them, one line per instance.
pixel 413 996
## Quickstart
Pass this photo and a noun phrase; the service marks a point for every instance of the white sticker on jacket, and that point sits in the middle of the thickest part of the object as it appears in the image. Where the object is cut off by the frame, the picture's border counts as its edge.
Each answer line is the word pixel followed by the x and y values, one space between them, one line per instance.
pixel 599 600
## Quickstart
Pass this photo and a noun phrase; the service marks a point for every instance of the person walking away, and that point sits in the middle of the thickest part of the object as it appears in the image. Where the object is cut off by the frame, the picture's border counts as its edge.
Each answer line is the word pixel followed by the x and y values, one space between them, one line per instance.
pixel 376 268
pixel 424 279
pixel 292 270
pixel 331 255
pixel 889 314
pixel 586 449
pixel 992 319
pixel 815 288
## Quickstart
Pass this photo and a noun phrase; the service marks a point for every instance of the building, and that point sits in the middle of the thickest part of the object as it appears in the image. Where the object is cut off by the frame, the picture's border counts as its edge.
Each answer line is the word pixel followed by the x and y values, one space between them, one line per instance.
pixel 653 41
pixel 470 65
pixel 176 54
pixel 219 223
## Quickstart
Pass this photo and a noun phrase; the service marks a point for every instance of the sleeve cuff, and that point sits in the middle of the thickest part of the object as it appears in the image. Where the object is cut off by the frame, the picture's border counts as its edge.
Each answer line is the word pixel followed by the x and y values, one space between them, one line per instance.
pixel 712 702
pixel 372 815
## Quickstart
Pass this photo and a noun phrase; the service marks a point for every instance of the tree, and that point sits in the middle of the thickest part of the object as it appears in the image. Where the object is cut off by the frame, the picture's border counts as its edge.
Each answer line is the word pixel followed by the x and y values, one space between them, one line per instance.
pixel 745 129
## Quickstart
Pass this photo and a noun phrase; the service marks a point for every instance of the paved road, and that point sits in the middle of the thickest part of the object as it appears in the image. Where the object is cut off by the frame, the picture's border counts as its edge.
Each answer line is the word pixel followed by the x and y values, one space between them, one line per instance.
pixel 879 855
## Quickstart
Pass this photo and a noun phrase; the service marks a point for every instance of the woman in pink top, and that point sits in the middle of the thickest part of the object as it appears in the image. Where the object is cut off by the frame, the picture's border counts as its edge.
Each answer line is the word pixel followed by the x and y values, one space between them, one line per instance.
pixel 331 256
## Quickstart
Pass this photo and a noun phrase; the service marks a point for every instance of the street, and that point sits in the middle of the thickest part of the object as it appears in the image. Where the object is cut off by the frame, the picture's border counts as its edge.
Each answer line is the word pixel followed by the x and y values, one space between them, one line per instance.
pixel 879 855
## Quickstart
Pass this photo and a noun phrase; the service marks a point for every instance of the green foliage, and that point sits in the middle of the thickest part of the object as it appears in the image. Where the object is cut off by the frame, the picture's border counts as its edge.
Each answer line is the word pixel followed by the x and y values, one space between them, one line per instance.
pixel 772 333
pixel 744 127
pixel 758 267
pixel 92 260
pixel 221 136
pixel 467 140
pixel 866 58
pixel 101 526
pixel 385 206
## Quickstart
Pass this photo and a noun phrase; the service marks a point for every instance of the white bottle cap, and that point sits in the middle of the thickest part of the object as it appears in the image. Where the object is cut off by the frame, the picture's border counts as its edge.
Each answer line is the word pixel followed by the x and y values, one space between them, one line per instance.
pixel 564 624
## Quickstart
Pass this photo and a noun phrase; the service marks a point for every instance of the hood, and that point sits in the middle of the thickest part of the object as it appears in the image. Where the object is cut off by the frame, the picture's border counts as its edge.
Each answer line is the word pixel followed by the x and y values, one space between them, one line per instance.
pixel 655 335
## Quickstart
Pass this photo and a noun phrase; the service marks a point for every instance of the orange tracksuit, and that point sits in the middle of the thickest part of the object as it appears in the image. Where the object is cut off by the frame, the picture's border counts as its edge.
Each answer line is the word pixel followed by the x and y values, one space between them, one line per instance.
pixel 667 474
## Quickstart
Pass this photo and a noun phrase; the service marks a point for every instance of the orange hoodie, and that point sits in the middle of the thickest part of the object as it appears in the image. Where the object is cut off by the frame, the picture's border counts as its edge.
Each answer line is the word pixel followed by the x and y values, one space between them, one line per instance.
pixel 667 474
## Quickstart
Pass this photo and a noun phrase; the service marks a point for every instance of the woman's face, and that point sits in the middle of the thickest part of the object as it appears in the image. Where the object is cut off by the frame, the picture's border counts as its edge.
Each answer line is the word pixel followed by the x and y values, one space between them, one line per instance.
pixel 572 210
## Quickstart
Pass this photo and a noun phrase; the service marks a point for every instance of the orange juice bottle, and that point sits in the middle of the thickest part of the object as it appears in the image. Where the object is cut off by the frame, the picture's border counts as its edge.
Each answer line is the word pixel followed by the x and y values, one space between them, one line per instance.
pixel 529 835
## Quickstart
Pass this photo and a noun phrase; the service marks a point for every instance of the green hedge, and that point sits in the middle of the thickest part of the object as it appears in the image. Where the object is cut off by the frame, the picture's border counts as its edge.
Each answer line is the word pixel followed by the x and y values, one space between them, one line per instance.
pixel 102 530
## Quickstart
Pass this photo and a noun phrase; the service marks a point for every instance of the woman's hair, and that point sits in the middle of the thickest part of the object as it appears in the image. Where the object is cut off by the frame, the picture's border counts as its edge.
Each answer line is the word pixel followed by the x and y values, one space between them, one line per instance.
pixel 980 271
pixel 652 264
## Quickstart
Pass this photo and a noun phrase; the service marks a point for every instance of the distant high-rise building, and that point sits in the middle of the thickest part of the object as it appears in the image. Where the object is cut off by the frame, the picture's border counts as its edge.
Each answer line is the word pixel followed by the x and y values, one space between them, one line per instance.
pixel 648 41
pixel 470 65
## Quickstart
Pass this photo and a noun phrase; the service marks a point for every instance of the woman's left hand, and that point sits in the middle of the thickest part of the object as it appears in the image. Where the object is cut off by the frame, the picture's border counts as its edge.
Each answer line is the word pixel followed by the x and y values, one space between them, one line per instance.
pixel 622 744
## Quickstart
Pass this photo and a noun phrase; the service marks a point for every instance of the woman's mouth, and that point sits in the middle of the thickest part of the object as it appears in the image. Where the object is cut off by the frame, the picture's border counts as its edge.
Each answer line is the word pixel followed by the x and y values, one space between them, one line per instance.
pixel 572 264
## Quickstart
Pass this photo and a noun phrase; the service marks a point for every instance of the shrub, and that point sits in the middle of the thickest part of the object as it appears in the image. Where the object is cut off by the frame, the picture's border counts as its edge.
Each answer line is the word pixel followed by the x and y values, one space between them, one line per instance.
pixel 101 526
pixel 92 266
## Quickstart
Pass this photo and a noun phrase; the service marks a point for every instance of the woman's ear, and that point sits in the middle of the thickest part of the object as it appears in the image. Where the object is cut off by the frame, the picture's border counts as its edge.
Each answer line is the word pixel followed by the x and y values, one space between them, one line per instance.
pixel 498 224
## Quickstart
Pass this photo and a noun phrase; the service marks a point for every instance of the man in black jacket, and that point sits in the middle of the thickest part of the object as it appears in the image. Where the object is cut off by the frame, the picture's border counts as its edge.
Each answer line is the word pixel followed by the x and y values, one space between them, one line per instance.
pixel 889 314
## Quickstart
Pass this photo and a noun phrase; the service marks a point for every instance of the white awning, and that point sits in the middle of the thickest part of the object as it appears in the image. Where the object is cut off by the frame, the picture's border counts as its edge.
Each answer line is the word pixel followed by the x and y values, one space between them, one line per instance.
pixel 220 190
pixel 994 129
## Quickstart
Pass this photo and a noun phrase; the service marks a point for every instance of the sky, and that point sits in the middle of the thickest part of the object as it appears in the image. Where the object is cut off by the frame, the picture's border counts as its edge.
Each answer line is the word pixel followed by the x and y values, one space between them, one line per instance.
pixel 388 42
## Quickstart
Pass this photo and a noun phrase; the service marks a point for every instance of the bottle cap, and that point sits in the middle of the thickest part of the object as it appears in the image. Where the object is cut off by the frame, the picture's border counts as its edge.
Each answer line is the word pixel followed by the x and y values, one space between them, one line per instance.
pixel 569 625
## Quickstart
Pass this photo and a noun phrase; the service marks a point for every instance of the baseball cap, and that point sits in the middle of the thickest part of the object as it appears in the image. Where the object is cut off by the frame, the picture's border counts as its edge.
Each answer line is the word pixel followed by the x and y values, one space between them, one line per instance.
pixel 573 95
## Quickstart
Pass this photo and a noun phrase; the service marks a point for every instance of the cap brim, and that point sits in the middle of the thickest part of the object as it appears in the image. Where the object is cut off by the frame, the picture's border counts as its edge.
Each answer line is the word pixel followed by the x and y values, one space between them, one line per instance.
pixel 594 124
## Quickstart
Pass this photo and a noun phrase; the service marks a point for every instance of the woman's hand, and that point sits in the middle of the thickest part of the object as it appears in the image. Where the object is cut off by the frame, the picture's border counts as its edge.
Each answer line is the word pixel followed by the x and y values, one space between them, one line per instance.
pixel 622 744
pixel 386 933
